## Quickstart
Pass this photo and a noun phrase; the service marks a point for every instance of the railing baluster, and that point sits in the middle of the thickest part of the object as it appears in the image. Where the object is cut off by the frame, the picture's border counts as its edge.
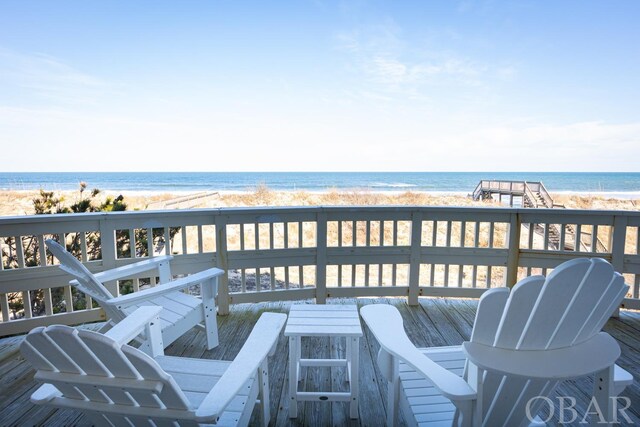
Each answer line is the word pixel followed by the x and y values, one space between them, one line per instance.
pixel 394 266
pixel 68 298
pixel 167 242
pixel 183 230
pixel 20 251
pixel 200 240
pixel 301 276
pixel 381 243
pixel 222 262
pixel 476 235
pixel 594 238
pixel 546 237
pixel 47 301
pixel 4 306
pixel 446 275
pixel 321 258
pixel 474 276
pixel 150 248
pixel 26 302
pixel 578 238
pixel 353 244
pixel 353 275
pixel 84 251
pixel 132 243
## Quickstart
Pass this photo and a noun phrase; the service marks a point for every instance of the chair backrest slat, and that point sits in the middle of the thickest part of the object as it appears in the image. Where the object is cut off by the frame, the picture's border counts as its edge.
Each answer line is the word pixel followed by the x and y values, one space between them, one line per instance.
pixel 554 300
pixel 110 354
pixel 599 315
pixel 522 298
pixel 171 396
pixel 593 288
pixel 68 341
pixel 60 360
pixel 35 357
pixel 509 402
pixel 488 315
pixel 86 281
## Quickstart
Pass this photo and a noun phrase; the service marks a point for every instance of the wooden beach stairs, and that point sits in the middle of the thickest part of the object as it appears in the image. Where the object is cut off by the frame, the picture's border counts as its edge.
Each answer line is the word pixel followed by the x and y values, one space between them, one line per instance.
pixel 529 194
pixel 525 193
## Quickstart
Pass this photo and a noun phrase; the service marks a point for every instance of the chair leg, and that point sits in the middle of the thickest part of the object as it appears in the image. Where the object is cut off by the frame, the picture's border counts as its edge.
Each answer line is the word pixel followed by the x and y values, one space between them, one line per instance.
pixel 209 312
pixel 603 392
pixel 263 393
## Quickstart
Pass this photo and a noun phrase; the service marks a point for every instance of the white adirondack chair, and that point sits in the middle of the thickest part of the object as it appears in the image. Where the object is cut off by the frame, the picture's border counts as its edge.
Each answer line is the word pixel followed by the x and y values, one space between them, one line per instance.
pixel 180 313
pixel 524 342
pixel 118 385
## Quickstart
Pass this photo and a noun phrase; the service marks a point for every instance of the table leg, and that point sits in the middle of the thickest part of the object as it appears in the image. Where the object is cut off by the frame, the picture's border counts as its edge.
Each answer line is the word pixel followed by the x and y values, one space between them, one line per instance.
pixel 348 356
pixel 294 361
pixel 354 368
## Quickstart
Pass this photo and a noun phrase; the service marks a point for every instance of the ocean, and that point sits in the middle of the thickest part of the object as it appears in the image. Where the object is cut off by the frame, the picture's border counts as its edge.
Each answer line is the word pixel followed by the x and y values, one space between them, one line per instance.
pixel 607 184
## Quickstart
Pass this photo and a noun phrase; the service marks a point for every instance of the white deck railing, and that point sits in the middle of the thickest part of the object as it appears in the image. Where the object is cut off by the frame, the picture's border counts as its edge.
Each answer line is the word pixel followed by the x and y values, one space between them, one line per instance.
pixel 310 252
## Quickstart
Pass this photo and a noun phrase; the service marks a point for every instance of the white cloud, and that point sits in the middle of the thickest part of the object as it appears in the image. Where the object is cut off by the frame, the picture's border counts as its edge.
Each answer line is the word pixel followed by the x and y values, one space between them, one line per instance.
pixel 48 79
pixel 384 61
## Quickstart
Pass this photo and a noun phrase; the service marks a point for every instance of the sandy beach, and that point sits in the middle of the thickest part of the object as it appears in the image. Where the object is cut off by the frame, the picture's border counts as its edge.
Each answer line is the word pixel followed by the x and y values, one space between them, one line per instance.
pixel 16 203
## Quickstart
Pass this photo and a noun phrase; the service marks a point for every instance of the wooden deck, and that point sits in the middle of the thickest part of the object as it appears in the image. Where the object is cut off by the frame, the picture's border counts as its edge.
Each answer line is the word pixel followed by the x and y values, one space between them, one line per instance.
pixel 435 322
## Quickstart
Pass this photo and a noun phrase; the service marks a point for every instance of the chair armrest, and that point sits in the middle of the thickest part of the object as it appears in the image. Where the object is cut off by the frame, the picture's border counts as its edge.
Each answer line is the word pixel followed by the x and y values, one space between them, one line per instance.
pixel 173 286
pixel 45 393
pixel 251 356
pixel 385 323
pixel 560 363
pixel 132 325
pixel 132 269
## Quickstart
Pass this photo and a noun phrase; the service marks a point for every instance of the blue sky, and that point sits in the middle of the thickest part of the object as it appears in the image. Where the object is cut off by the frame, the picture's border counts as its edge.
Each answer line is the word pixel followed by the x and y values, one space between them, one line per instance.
pixel 320 85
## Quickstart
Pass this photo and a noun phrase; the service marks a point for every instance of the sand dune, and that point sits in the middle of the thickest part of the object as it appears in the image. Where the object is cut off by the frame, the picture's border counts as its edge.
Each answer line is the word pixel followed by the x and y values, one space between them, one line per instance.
pixel 20 202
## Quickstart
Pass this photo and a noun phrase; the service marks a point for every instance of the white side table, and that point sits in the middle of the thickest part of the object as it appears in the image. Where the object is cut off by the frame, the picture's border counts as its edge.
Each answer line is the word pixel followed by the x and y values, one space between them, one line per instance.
pixel 330 320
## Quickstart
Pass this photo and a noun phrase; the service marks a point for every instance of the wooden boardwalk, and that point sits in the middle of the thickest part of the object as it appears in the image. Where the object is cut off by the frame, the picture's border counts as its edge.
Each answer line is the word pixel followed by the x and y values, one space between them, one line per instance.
pixel 435 322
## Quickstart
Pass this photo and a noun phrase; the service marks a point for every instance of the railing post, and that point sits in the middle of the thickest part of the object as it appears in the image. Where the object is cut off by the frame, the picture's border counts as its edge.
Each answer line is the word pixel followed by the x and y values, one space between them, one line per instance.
pixel 617 247
pixel 414 257
pixel 222 262
pixel 513 259
pixel 321 258
pixel 618 242
pixel 108 251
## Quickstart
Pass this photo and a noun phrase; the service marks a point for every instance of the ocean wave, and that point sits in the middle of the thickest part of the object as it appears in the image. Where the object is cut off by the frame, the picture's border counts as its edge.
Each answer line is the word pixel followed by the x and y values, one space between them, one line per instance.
pixel 392 184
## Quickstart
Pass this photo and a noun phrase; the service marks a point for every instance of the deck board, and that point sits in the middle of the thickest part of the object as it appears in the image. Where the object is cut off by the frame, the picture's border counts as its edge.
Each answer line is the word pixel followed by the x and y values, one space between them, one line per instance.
pixel 435 321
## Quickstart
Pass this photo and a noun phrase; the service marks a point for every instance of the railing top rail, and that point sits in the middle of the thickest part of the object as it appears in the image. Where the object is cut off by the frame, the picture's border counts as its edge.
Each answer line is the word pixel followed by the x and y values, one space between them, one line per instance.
pixel 266 211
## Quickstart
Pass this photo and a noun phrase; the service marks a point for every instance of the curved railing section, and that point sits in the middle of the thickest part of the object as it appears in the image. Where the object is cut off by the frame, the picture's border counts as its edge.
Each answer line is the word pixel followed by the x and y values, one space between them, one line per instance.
pixel 307 253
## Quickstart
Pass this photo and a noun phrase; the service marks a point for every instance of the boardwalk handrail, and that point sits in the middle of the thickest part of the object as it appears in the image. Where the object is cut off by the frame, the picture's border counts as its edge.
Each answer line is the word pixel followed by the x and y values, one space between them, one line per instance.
pixel 309 252
pixel 526 189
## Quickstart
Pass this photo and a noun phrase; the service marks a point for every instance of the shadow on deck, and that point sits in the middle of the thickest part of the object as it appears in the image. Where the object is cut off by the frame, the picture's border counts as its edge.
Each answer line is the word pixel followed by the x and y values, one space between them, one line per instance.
pixel 435 322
